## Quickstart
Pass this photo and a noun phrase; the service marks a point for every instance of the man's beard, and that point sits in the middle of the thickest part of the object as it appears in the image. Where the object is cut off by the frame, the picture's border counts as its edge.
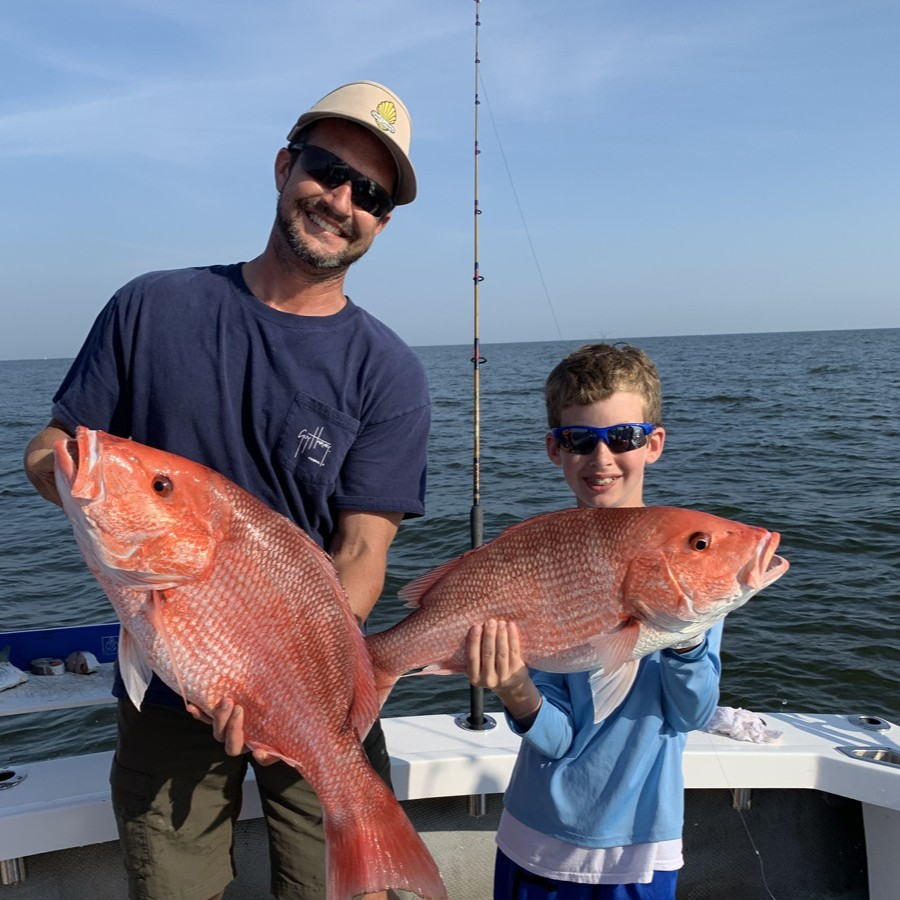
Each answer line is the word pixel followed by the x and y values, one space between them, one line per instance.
pixel 304 253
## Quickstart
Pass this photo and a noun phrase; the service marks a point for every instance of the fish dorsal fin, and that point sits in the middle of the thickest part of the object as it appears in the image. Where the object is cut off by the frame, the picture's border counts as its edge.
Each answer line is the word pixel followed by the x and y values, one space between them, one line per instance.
pixel 413 592
pixel 610 691
pixel 134 669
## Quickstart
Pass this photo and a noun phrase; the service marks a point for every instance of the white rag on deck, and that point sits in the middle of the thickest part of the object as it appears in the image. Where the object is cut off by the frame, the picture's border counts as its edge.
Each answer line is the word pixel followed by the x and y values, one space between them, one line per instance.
pixel 742 725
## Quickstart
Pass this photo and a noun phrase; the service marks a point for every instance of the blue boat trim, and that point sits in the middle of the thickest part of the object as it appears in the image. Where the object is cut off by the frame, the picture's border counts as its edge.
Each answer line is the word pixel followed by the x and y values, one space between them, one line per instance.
pixel 101 640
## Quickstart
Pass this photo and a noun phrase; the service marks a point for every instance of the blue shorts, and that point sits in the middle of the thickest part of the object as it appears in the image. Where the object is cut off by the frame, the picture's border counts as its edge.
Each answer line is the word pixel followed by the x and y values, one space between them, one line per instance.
pixel 512 882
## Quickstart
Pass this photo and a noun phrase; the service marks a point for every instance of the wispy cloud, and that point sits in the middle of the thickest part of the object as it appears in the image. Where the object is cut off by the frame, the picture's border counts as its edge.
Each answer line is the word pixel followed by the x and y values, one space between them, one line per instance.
pixel 200 72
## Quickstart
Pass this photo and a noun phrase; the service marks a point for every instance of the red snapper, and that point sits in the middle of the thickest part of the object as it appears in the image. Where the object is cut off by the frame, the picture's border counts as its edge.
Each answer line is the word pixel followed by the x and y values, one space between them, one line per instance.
pixel 221 596
pixel 590 589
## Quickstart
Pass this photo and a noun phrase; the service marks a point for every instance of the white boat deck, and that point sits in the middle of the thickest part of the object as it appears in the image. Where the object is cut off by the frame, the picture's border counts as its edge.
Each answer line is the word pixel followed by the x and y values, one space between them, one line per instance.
pixel 65 802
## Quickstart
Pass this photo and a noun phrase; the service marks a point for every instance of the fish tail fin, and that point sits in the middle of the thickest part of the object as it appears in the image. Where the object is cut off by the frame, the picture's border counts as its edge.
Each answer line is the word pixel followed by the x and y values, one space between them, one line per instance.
pixel 379 851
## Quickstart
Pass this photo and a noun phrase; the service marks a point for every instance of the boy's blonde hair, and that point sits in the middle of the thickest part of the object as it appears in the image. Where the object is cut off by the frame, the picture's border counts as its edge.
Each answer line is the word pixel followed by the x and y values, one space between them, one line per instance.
pixel 595 372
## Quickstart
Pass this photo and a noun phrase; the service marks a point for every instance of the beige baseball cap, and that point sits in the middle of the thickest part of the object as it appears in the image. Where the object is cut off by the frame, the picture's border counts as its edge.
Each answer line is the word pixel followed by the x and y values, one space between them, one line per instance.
pixel 379 109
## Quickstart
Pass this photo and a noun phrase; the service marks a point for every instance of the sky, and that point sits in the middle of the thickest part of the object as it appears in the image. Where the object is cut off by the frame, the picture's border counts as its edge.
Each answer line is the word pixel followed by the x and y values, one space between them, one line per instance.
pixel 647 167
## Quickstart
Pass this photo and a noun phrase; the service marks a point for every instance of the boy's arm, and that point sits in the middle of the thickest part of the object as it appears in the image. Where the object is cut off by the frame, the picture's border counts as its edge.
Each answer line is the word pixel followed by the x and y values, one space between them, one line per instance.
pixel 542 716
pixel 690 682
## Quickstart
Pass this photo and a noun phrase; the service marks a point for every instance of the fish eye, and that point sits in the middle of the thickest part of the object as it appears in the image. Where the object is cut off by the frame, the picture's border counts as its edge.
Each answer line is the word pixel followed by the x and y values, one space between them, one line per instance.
pixel 700 540
pixel 162 485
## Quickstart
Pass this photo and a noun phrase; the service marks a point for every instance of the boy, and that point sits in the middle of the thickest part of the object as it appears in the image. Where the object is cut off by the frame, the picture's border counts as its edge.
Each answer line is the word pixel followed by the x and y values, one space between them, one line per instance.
pixel 595 811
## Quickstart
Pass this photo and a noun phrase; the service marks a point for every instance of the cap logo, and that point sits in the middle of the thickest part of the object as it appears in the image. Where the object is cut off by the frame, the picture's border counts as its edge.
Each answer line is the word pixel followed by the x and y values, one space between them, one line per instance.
pixel 385 116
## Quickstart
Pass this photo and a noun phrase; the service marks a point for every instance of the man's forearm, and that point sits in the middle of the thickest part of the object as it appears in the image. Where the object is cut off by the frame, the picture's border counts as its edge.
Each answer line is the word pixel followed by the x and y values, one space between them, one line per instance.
pixel 363 581
pixel 359 550
pixel 38 460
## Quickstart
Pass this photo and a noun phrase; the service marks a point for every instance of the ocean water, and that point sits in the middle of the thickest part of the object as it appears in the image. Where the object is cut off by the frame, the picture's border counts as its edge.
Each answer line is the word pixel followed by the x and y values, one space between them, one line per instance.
pixel 796 432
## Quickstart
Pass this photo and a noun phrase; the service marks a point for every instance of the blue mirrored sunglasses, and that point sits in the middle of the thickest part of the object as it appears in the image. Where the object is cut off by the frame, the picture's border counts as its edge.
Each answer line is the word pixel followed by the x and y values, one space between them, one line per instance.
pixel 332 171
pixel 583 439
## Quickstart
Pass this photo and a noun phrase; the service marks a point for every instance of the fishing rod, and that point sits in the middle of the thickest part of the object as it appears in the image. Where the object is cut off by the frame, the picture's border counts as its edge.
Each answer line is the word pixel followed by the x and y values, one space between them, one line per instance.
pixel 476 517
pixel 476 719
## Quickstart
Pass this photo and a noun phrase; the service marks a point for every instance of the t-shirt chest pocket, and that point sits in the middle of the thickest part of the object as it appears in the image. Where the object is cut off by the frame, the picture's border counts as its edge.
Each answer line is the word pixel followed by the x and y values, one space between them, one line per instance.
pixel 315 440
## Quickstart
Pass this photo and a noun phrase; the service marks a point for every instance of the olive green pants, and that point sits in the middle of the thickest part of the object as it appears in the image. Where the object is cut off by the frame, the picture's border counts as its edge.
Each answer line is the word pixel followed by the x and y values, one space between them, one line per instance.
pixel 176 795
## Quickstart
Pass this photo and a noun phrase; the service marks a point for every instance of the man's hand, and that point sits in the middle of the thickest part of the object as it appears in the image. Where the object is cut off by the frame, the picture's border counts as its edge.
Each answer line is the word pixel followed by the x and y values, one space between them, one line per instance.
pixel 227 723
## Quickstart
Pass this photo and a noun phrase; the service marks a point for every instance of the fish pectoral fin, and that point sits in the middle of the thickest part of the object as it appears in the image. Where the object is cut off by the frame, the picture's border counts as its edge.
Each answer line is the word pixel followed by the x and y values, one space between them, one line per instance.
pixel 610 691
pixel 274 754
pixel 608 651
pixel 134 669
pixel 155 613
pixel 618 646
pixel 668 621
pixel 433 669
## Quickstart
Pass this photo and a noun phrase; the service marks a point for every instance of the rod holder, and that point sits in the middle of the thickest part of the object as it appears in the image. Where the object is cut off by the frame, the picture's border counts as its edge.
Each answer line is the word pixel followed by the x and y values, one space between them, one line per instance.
pixel 870 723
pixel 464 720
pixel 12 871
pixel 11 776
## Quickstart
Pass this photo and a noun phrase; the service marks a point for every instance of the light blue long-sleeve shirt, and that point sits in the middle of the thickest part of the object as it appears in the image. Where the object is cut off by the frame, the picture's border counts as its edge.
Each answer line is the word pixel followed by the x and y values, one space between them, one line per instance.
pixel 620 781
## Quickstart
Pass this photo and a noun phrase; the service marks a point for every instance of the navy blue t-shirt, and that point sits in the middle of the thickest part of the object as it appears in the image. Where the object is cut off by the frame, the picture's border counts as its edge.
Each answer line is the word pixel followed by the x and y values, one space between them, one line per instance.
pixel 310 414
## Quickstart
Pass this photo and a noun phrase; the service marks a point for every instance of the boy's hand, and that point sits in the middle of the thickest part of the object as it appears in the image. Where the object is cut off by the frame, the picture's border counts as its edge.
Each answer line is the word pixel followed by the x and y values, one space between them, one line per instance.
pixel 493 656
pixel 689 644
pixel 227 723
pixel 494 660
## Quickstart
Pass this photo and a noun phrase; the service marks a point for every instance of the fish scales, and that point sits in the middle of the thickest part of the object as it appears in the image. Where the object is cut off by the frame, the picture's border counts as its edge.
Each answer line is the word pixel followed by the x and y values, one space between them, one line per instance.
pixel 222 597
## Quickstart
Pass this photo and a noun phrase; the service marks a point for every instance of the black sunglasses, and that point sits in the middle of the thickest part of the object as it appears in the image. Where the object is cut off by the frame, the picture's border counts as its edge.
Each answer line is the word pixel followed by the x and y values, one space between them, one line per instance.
pixel 332 171
pixel 583 439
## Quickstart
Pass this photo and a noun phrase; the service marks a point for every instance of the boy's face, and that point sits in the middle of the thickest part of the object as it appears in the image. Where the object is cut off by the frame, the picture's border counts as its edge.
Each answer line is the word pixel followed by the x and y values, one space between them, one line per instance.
pixel 601 478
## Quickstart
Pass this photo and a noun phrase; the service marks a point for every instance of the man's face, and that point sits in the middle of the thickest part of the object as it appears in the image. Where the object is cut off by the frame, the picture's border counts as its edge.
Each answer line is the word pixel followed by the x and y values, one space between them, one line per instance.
pixel 320 227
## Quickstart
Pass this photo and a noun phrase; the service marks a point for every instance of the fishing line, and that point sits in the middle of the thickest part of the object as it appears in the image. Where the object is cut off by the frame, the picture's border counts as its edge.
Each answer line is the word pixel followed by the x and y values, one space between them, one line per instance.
pixel 515 194
pixel 735 803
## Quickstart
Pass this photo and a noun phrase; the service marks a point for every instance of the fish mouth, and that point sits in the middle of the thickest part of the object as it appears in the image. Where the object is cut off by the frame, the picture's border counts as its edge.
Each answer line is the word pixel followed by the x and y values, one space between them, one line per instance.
pixel 82 489
pixel 765 568
pixel 77 463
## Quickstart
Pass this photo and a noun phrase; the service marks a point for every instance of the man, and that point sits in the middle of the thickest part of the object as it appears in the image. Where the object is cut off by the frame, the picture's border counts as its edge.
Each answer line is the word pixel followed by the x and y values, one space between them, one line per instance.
pixel 266 372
